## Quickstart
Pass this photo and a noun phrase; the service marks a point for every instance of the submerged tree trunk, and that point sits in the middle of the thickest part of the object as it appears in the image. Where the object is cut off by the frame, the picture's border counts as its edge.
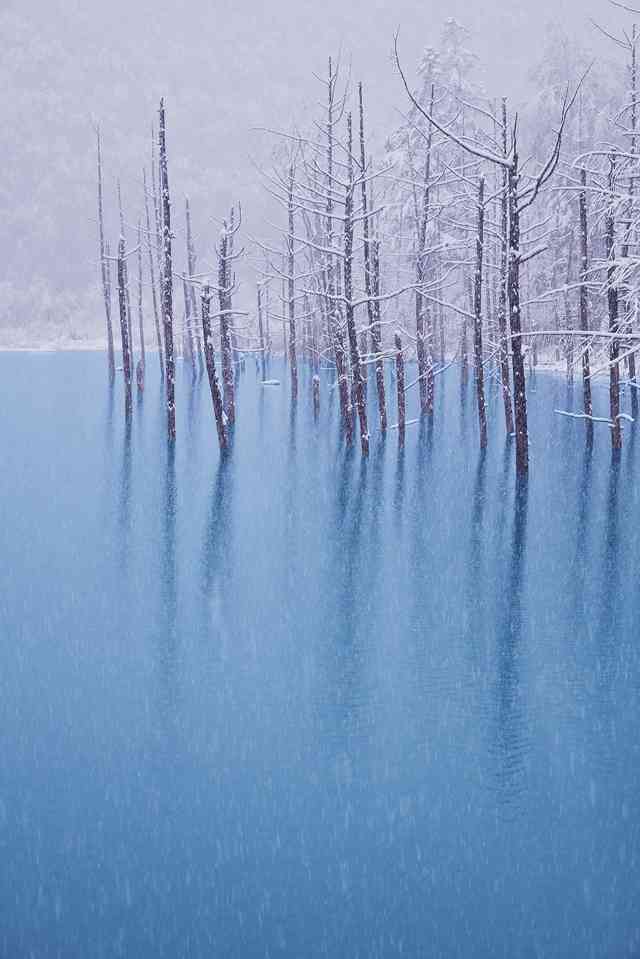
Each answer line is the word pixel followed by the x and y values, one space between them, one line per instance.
pixel 261 333
pixel 628 304
pixel 209 354
pixel 124 326
pixel 477 311
pixel 502 296
pixel 152 278
pixel 584 298
pixel 225 331
pixel 400 389
pixel 104 267
pixel 141 368
pixel 167 281
pixel 513 299
pixel 191 267
pixel 371 276
pixel 126 274
pixel 376 337
pixel 336 334
pixel 293 360
pixel 612 304
pixel 567 314
pixel 424 344
pixel 188 349
pixel 356 369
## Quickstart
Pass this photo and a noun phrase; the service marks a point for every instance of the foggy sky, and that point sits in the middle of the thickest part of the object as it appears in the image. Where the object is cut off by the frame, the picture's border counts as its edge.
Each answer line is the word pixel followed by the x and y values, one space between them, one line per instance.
pixel 225 69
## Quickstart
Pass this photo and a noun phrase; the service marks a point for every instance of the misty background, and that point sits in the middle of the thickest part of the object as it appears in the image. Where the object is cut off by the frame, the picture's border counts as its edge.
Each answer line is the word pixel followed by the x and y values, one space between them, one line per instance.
pixel 226 70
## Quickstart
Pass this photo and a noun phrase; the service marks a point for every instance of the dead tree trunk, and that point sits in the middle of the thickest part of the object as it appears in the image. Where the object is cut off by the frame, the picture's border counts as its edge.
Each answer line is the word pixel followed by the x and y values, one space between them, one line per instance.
pixel 104 267
pixel 376 337
pixel 152 279
pixel 124 326
pixel 141 368
pixel 333 313
pixel 188 350
pixel 167 280
pixel 424 344
pixel 513 299
pixel 209 354
pixel 157 211
pixel 356 368
pixel 293 360
pixel 225 331
pixel 191 267
pixel 624 252
pixel 612 304
pixel 261 333
pixel 477 312
pixel 369 274
pixel 400 389
pixel 502 297
pixel 567 313
pixel 584 297
pixel 126 274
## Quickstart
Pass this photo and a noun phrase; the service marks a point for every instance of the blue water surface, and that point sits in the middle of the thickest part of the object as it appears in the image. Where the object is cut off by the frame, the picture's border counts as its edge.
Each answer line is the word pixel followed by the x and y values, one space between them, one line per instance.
pixel 297 704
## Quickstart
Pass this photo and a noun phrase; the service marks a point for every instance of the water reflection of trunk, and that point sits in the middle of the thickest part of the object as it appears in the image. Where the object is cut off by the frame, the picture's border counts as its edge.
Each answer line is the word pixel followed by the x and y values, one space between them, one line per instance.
pixel 511 732
pixel 169 597
pixel 474 609
pixel 345 680
pixel 291 580
pixel 124 519
pixel 423 589
pixel 398 490
pixel 218 553
pixel 609 606
pixel 579 580
pixel 464 383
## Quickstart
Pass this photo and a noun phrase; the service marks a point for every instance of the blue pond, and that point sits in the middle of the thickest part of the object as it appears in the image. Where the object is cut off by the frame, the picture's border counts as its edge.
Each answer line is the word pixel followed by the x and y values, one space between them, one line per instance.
pixel 294 704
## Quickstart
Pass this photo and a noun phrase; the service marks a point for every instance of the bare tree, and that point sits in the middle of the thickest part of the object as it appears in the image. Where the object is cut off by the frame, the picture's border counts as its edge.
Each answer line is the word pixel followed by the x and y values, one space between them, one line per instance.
pixel 167 279
pixel 209 353
pixel 477 309
pixel 104 265
pixel 152 279
pixel 124 325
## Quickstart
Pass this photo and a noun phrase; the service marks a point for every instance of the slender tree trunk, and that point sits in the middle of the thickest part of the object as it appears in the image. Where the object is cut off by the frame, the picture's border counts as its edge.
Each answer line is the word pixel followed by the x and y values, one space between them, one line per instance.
pixel 210 361
pixel 513 299
pixel 167 280
pixel 356 369
pixel 612 303
pixel 126 275
pixel 567 313
pixel 584 297
pixel 261 333
pixel 373 308
pixel 628 305
pixel 152 278
pixel 191 267
pixel 141 368
pixel 225 331
pixel 157 212
pixel 424 340
pixel 124 326
pixel 188 350
pixel 104 267
pixel 400 389
pixel 335 332
pixel 376 337
pixel 502 297
pixel 477 311
pixel 293 360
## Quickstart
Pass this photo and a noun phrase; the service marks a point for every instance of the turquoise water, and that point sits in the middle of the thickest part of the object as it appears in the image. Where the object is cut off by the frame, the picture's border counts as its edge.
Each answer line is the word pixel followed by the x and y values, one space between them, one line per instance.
pixel 296 704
